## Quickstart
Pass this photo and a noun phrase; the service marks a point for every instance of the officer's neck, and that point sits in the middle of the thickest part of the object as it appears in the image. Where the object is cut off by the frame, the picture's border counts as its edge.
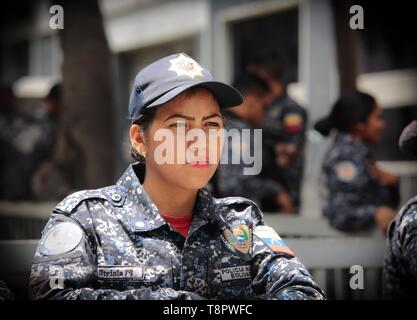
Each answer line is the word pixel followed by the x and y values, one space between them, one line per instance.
pixel 357 136
pixel 161 194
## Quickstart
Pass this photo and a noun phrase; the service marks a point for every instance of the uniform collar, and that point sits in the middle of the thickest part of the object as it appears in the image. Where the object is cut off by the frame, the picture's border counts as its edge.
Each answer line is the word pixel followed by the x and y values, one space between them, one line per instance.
pixel 143 215
pixel 278 100
pixel 345 138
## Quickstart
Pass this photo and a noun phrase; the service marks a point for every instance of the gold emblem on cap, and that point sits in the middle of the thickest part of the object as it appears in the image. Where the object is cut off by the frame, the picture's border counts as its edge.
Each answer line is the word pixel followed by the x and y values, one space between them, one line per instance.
pixel 185 66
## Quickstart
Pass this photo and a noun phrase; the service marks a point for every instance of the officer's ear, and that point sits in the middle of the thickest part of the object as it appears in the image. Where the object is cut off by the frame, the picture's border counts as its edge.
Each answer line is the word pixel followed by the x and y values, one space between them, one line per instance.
pixel 358 128
pixel 137 139
pixel 361 127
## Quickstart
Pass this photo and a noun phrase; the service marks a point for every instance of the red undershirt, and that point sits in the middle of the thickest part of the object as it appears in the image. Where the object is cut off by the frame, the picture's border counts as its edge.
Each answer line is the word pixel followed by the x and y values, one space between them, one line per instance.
pixel 181 224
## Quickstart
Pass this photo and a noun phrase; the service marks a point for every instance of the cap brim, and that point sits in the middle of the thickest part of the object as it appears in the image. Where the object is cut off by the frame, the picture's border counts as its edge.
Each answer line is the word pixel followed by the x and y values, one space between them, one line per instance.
pixel 226 95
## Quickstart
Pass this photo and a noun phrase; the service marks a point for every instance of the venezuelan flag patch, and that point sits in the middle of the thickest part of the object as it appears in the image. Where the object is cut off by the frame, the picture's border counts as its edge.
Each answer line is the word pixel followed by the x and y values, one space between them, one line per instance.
pixel 293 122
pixel 272 239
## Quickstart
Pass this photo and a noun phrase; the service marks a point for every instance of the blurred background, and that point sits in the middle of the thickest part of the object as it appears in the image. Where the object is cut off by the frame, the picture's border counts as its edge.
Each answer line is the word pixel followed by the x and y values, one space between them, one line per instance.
pixel 64 98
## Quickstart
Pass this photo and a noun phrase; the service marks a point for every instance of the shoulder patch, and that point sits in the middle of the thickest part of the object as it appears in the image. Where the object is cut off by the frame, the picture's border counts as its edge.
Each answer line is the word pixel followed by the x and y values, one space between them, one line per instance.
pixel 238 237
pixel 272 239
pixel 293 122
pixel 62 238
pixel 346 171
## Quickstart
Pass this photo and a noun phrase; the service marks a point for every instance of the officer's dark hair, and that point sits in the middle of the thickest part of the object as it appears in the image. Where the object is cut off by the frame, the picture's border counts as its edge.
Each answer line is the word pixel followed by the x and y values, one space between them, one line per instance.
pixel 352 107
pixel 248 83
pixel 272 62
pixel 144 121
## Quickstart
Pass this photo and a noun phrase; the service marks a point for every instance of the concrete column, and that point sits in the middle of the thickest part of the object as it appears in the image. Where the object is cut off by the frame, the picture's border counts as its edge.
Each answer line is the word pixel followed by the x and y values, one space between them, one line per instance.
pixel 319 76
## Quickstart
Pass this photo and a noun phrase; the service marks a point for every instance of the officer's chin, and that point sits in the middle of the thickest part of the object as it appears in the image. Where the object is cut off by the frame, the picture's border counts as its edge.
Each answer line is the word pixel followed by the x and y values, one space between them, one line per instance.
pixel 376 140
pixel 198 177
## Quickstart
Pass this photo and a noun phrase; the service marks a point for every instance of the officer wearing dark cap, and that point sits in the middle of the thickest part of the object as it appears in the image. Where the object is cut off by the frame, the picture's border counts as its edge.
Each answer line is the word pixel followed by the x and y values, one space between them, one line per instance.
pixel 400 263
pixel 158 233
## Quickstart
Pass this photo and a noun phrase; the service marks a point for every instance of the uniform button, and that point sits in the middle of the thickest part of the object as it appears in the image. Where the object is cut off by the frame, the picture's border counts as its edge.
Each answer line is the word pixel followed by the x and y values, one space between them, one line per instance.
pixel 139 224
pixel 116 197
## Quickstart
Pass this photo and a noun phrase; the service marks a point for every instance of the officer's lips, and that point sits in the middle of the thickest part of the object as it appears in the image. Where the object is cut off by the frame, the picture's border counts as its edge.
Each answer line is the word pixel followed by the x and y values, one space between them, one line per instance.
pixel 199 163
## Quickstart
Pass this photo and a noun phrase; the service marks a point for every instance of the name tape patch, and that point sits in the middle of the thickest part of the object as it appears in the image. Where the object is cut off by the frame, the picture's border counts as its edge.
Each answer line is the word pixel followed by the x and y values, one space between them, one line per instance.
pixel 120 272
pixel 234 273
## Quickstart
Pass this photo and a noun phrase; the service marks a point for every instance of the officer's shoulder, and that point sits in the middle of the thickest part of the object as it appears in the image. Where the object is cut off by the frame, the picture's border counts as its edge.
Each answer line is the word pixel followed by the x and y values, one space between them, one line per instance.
pixel 340 153
pixel 110 194
pixel 240 204
pixel 408 213
pixel 292 105
pixel 404 226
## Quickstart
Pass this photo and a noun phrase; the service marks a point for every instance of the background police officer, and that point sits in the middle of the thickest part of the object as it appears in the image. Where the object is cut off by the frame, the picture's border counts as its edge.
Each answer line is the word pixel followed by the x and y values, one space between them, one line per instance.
pixel 284 126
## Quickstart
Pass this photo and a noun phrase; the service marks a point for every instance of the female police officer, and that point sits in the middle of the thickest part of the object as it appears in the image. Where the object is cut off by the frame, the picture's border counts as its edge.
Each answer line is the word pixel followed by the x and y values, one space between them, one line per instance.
pixel 360 193
pixel 158 233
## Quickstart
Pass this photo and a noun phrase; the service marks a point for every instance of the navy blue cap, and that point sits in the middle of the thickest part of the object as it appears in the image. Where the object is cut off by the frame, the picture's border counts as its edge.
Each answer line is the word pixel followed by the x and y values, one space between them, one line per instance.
pixel 166 78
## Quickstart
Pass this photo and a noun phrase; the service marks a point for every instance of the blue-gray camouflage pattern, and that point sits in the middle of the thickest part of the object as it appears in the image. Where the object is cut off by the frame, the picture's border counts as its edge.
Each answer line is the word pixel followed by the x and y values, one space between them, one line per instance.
pixel 128 251
pixel 400 263
pixel 352 200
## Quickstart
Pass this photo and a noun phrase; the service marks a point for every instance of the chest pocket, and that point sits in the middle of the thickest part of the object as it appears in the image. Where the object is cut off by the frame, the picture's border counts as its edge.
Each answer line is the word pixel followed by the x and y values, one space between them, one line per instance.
pixel 230 275
pixel 149 264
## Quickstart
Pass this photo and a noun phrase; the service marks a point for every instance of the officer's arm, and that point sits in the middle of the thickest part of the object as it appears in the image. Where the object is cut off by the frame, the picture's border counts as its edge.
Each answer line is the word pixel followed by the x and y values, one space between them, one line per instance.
pixel 408 238
pixel 346 209
pixel 277 274
pixel 64 268
pixel 294 126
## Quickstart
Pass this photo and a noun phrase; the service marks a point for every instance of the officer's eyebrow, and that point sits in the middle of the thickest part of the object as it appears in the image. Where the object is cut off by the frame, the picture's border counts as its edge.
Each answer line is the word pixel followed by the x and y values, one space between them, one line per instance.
pixel 179 115
pixel 212 116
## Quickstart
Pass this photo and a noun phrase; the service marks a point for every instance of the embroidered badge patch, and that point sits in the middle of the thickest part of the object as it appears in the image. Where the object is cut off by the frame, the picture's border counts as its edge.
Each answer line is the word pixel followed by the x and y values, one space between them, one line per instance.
pixel 185 66
pixel 238 237
pixel 346 171
pixel 272 239
pixel 63 237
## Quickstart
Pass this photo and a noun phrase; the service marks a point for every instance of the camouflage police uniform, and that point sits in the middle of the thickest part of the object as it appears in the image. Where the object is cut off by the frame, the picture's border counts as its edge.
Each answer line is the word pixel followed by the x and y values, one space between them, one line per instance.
pixel 285 121
pixel 112 243
pixel 230 177
pixel 400 263
pixel 353 192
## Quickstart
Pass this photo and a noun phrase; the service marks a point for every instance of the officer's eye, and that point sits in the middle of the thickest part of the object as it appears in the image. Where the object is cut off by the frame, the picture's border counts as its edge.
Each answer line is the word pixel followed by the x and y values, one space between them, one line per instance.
pixel 178 124
pixel 212 124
